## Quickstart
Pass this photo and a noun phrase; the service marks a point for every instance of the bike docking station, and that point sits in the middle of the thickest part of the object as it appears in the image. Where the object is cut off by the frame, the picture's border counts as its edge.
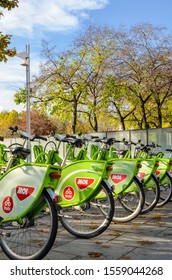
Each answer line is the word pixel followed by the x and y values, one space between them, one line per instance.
pixel 77 216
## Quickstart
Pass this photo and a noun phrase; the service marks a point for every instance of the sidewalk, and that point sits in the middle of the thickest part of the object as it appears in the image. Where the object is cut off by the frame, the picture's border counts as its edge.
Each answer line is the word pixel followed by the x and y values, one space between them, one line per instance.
pixel 148 237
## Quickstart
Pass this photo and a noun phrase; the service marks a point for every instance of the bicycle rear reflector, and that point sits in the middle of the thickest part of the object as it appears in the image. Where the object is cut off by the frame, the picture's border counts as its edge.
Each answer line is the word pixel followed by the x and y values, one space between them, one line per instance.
pixel 109 168
pixel 57 198
pixel 55 175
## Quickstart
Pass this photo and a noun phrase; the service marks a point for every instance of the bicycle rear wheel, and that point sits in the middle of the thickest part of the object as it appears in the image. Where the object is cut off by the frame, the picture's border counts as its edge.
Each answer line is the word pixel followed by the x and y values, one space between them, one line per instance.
pixel 129 204
pixel 90 218
pixel 50 146
pixel 33 238
pixel 165 190
pixel 152 194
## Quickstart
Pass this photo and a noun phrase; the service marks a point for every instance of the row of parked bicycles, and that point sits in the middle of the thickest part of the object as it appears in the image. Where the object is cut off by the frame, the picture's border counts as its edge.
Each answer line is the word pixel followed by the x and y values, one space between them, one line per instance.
pixel 91 186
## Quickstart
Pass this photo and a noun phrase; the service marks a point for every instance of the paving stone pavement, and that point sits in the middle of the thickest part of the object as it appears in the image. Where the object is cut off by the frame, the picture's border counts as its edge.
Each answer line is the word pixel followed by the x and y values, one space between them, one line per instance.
pixel 148 237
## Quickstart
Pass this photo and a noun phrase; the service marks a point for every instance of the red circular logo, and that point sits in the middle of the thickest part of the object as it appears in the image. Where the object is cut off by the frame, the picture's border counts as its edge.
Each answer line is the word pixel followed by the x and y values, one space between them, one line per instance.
pixel 68 193
pixel 7 204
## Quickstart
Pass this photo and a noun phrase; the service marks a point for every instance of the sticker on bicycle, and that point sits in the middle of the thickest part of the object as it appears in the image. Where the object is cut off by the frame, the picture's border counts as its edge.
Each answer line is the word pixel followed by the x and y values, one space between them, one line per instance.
pixel 118 178
pixel 157 172
pixel 68 193
pixel 83 183
pixel 7 204
pixel 141 174
pixel 23 192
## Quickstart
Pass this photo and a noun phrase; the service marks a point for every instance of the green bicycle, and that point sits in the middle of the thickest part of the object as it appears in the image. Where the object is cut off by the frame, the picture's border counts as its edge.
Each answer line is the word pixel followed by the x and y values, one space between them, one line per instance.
pixel 128 204
pixel 27 231
pixel 81 180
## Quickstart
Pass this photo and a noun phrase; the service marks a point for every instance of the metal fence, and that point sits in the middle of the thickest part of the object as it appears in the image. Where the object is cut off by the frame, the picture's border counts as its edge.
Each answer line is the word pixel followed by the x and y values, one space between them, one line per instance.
pixel 162 136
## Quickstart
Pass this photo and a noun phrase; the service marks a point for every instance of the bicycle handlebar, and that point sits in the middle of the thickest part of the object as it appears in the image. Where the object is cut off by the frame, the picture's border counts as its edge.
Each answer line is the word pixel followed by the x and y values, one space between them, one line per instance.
pixel 36 136
pixel 73 141
pixel 108 141
pixel 70 136
pixel 13 128
pixel 169 150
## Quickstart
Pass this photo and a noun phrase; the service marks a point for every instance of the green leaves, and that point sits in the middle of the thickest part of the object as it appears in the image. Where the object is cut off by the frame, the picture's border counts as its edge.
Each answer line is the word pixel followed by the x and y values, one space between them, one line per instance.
pixel 109 79
pixel 5 40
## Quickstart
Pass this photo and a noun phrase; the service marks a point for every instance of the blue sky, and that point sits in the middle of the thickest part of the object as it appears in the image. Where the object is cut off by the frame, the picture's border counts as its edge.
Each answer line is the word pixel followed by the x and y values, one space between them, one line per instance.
pixel 58 22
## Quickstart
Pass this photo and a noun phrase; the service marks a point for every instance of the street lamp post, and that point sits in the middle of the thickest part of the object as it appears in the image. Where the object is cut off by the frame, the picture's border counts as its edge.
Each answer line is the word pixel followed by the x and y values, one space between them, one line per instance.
pixel 26 62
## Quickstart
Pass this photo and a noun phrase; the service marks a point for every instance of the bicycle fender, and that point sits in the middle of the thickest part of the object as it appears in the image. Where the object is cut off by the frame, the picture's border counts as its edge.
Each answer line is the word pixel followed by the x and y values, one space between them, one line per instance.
pixel 20 189
pixel 122 174
pixel 79 181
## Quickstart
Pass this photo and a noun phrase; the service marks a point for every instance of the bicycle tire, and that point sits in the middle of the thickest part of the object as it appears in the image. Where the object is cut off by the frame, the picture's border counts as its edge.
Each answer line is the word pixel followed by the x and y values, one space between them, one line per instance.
pixel 152 194
pixel 49 146
pixel 33 239
pixel 15 145
pixel 165 190
pixel 91 218
pixel 129 205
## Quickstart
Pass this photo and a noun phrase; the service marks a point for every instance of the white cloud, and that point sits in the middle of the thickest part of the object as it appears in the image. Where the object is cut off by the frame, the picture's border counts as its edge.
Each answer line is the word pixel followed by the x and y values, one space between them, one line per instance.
pixel 13 77
pixel 47 15
pixel 31 19
pixel 13 70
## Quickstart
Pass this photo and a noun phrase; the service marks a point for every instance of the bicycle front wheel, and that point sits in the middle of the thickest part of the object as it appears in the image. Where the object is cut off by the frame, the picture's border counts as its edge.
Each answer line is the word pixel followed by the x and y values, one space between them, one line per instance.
pixel 90 218
pixel 32 238
pixel 165 185
pixel 129 204
pixel 50 146
pixel 152 194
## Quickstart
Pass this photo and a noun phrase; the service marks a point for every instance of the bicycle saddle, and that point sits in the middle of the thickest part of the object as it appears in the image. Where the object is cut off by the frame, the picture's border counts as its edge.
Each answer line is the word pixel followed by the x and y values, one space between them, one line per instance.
pixel 20 152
